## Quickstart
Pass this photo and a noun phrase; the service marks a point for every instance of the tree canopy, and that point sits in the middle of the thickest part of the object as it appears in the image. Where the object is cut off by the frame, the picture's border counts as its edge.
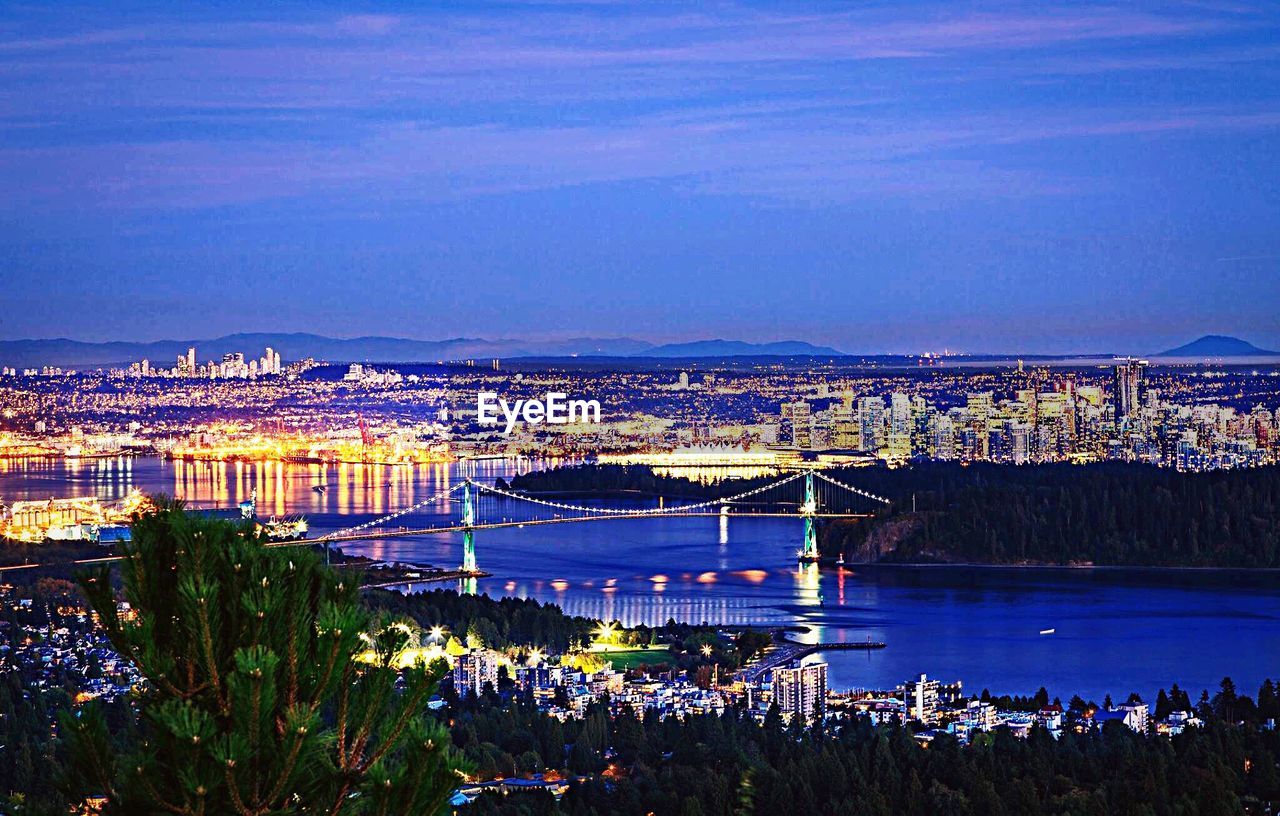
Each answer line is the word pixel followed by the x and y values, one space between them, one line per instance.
pixel 269 688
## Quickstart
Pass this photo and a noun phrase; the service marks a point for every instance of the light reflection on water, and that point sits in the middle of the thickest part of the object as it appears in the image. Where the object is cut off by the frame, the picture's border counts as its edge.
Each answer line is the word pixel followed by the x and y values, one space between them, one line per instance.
pixel 1116 632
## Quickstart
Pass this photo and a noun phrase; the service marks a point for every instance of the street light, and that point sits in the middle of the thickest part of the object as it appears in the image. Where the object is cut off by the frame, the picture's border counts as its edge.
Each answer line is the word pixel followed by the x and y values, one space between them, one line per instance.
pixel 437 633
pixel 604 634
pixel 706 650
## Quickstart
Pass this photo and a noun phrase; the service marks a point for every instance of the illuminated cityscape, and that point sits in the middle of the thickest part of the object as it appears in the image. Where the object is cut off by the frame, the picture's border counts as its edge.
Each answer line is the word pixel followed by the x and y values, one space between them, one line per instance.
pixel 1191 418
pixel 569 408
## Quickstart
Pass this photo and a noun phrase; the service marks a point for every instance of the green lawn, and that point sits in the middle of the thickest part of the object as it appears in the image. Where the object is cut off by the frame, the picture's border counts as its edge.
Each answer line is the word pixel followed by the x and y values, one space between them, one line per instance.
pixel 629 658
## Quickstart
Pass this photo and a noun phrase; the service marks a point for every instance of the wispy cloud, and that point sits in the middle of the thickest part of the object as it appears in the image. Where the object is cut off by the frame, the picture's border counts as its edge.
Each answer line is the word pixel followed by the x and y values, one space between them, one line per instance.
pixel 476 101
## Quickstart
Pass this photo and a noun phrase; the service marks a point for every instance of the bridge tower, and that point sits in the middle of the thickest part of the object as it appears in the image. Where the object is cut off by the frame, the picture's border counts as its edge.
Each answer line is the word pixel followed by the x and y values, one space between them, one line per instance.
pixel 808 510
pixel 468 522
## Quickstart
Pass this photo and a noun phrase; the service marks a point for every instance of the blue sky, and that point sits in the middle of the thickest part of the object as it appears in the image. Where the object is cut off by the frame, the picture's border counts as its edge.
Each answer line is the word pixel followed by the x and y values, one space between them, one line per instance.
pixel 879 177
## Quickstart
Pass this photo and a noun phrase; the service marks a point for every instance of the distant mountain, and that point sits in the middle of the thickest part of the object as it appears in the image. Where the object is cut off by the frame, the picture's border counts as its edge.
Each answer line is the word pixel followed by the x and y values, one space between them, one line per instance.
pixel 63 352
pixel 1217 345
pixel 738 348
pixel 78 354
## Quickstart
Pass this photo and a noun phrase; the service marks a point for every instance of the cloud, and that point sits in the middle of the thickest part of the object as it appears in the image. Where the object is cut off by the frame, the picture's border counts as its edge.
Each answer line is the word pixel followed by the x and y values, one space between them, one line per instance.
pixel 474 100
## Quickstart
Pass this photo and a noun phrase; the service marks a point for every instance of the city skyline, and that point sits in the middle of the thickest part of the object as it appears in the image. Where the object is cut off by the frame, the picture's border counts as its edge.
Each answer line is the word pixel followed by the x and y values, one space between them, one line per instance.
pixel 882 179
pixel 34 355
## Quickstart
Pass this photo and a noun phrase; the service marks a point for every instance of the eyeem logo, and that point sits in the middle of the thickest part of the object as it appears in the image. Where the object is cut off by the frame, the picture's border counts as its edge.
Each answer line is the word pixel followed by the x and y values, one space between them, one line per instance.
pixel 556 409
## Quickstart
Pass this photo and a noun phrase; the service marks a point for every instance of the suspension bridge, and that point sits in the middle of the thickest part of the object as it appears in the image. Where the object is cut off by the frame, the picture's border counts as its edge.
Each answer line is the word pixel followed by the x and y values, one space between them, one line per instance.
pixel 807 495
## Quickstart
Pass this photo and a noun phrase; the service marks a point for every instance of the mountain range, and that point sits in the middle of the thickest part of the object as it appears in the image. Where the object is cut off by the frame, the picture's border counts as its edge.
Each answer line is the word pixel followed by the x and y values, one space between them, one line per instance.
pixel 76 353
pixel 64 352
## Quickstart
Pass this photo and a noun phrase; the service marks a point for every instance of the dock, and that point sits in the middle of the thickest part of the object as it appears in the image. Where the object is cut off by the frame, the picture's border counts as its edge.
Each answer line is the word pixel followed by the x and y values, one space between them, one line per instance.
pixel 786 651
pixel 434 576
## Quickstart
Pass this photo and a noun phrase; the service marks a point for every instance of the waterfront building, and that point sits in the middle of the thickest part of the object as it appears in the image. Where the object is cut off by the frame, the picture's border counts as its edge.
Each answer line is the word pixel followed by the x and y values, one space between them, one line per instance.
pixel 801 690
pixel 920 699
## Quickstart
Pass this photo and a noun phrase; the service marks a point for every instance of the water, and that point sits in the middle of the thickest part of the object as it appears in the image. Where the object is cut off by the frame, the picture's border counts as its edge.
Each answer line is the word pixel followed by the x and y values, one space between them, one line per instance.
pixel 1116 630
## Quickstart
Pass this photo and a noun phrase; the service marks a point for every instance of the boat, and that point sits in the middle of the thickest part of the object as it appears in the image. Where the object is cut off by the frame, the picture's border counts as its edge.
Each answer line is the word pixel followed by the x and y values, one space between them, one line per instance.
pixel 1047 631
pixel 319 488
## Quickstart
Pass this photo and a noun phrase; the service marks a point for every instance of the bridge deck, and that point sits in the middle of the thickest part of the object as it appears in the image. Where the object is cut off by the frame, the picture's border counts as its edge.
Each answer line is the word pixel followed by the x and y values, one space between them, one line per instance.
pixel 400 532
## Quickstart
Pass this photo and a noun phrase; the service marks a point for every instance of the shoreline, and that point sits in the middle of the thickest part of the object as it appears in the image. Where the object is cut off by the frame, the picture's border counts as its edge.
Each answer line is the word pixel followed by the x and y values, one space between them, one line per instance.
pixel 1054 567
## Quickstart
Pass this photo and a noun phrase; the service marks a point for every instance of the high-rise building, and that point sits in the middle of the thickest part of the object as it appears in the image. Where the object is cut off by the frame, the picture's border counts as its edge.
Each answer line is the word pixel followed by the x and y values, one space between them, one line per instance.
pixel 797 424
pixel 980 406
pixel 920 698
pixel 844 427
pixel 1128 387
pixel 801 690
pixel 472 670
pixel 942 437
pixel 191 361
pixel 871 423
pixel 899 413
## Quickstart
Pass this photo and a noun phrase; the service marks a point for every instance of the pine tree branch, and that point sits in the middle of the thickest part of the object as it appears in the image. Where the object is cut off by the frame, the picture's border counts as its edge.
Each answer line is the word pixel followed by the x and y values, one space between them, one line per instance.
pixel 342 798
pixel 372 708
pixel 254 728
pixel 234 785
pixel 183 810
pixel 407 713
pixel 342 721
pixel 211 663
pixel 287 772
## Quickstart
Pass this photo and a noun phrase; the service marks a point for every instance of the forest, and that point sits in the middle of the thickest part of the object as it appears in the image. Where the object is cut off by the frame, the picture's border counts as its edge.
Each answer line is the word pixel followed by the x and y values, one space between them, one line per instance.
pixel 726 765
pixel 1102 514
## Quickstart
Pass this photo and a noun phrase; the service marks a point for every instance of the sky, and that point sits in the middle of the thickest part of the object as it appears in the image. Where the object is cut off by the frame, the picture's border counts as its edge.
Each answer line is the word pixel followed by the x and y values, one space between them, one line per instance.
pixel 880 177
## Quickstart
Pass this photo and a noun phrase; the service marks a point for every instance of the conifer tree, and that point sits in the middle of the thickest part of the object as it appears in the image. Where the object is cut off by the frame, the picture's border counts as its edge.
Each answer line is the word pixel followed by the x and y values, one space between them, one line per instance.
pixel 268 688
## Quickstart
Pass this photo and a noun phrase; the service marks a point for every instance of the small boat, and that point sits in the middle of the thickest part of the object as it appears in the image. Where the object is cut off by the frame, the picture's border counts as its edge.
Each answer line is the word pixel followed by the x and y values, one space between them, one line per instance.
pixel 319 488
pixel 1047 631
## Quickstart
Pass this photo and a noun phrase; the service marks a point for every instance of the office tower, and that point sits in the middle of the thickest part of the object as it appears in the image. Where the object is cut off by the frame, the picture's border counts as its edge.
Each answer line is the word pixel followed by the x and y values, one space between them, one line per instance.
pixel 980 406
pixel 797 424
pixel 1021 443
pixel 191 361
pixel 919 424
pixel 899 413
pixel 1128 387
pixel 871 423
pixel 844 427
pixel 942 437
pixel 801 690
